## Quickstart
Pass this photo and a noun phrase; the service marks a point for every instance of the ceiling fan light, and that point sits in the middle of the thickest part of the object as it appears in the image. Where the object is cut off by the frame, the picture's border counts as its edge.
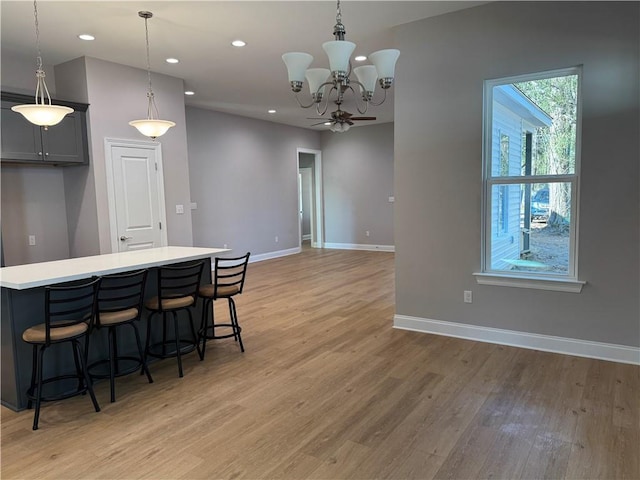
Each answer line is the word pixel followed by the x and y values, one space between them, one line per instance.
pixel 297 63
pixel 43 115
pixel 385 62
pixel 339 52
pixel 367 76
pixel 152 128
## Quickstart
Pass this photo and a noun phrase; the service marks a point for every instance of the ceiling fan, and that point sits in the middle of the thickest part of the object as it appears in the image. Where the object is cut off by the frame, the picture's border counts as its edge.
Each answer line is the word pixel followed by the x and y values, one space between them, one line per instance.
pixel 340 121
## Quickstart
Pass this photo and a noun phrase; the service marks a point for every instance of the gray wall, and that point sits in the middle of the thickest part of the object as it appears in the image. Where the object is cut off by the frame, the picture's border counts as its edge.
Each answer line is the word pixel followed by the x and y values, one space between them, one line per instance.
pixel 438 153
pixel 357 169
pixel 243 175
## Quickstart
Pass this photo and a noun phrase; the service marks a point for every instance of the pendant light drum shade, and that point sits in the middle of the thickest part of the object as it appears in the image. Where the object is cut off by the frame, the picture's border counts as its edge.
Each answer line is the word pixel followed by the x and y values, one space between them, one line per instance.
pixel 43 115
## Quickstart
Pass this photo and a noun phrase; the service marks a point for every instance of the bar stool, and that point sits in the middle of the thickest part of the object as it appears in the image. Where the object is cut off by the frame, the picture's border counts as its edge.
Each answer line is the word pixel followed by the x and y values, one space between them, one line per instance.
pixel 228 281
pixel 69 315
pixel 120 298
pixel 177 291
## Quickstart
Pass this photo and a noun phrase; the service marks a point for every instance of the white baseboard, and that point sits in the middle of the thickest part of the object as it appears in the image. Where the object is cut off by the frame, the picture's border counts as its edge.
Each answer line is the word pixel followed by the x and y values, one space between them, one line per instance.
pixel 547 343
pixel 277 254
pixel 361 246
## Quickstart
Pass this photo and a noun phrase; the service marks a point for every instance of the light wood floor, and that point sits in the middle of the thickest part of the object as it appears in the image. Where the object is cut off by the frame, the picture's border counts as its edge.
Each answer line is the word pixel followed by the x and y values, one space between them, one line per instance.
pixel 327 389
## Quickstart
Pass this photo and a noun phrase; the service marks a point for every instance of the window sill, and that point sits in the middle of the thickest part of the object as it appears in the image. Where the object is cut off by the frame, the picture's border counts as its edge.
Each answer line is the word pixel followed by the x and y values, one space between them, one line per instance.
pixel 555 284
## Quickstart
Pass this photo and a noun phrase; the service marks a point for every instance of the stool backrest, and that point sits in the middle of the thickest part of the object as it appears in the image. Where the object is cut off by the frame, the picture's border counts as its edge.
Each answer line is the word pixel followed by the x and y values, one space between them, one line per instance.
pixel 230 273
pixel 179 280
pixel 70 304
pixel 121 291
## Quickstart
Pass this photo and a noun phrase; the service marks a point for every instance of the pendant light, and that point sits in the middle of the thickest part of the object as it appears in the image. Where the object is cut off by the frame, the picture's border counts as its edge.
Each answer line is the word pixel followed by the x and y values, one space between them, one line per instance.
pixel 42 113
pixel 151 126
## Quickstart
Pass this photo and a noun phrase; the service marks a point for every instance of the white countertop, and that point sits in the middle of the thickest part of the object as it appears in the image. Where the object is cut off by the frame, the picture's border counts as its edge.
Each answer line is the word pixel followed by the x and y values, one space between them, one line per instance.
pixel 32 275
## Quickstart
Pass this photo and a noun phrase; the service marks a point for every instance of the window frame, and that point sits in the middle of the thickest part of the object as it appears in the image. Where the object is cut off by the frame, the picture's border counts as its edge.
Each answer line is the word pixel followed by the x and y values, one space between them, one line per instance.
pixel 546 281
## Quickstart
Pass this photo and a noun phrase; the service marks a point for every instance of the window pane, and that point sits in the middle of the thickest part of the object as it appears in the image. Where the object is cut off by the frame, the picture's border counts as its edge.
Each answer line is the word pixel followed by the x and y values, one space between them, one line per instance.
pixel 530 228
pixel 536 120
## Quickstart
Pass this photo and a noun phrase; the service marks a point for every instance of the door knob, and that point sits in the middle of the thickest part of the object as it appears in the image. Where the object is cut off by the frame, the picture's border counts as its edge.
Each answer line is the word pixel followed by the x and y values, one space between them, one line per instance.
pixel 123 238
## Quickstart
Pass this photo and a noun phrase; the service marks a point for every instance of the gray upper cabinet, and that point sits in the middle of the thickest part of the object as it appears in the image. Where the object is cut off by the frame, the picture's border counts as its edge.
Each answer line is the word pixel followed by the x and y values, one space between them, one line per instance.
pixel 61 144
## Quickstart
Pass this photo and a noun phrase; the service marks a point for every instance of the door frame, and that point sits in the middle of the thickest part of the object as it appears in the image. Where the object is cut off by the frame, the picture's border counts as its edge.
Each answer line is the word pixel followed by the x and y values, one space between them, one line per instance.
pixel 318 217
pixel 156 147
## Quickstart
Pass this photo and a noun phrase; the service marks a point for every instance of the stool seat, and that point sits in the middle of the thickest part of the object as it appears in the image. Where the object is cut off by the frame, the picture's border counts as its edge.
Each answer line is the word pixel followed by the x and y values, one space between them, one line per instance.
pixel 118 316
pixel 209 291
pixel 170 303
pixel 38 333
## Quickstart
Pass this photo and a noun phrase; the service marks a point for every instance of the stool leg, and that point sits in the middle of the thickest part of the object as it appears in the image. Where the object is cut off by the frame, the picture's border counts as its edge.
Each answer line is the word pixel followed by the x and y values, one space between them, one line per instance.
pixel 177 339
pixel 36 415
pixel 208 304
pixel 145 368
pixel 193 334
pixel 112 363
pixel 34 371
pixel 78 370
pixel 76 345
pixel 147 341
pixel 235 333
pixel 234 320
pixel 164 332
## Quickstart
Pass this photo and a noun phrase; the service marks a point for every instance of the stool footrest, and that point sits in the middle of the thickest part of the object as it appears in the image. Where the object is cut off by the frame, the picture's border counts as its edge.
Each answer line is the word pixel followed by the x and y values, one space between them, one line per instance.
pixel 186 346
pixel 137 365
pixel 60 396
pixel 235 330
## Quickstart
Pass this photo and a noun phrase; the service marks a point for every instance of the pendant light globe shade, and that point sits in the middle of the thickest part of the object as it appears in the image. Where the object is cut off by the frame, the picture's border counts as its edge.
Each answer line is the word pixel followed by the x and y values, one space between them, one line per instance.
pixel 297 63
pixel 367 76
pixel 43 115
pixel 339 52
pixel 152 128
pixel 316 77
pixel 385 62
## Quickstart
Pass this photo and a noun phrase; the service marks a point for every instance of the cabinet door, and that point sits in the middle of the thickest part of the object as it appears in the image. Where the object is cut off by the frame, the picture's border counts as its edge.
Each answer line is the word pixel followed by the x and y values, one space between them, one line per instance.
pixel 63 143
pixel 21 140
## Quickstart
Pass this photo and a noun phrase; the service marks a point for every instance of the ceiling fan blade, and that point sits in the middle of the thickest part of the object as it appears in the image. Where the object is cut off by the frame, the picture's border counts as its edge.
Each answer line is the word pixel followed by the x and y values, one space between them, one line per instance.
pixel 319 123
pixel 362 118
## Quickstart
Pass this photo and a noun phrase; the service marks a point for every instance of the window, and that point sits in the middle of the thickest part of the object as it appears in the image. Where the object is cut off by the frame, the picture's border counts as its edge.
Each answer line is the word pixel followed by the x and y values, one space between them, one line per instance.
pixel 530 178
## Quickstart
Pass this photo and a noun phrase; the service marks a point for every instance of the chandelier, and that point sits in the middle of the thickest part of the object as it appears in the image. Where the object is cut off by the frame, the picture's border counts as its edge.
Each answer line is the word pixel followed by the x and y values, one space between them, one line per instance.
pixel 339 77
pixel 42 113
pixel 152 126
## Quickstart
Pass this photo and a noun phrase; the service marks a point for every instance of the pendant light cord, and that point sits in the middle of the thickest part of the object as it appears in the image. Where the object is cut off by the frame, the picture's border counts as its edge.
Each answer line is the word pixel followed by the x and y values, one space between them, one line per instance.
pixel 152 109
pixel 41 86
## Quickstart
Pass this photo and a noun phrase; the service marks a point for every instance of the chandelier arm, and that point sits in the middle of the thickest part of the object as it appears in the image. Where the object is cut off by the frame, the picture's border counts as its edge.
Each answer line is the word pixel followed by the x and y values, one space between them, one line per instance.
pixel 326 103
pixel 300 103
pixel 381 101
pixel 357 101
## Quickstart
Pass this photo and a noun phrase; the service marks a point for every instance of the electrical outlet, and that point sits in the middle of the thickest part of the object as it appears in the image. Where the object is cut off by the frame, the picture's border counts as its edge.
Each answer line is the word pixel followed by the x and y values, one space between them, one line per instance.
pixel 276 239
pixel 179 209
pixel 32 240
pixel 225 246
pixel 367 233
pixel 468 296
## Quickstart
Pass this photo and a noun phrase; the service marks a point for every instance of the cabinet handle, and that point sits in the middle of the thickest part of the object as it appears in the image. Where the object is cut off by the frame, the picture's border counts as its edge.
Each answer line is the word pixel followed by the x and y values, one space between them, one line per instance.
pixel 47 154
pixel 40 154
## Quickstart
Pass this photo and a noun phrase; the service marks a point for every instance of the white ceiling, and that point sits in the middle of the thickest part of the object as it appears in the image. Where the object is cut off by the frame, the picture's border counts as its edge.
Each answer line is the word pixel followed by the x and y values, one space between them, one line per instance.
pixel 244 81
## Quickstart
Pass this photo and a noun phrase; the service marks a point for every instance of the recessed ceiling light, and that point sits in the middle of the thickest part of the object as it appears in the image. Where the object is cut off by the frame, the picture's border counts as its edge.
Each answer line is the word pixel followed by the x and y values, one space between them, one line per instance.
pixel 86 36
pixel 271 111
pixel 238 43
pixel 360 58
pixel 189 92
pixel 172 60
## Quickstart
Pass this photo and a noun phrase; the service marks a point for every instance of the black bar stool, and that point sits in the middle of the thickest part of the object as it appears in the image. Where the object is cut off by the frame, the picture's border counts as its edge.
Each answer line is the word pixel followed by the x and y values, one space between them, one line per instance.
pixel 69 315
pixel 177 291
pixel 120 298
pixel 228 281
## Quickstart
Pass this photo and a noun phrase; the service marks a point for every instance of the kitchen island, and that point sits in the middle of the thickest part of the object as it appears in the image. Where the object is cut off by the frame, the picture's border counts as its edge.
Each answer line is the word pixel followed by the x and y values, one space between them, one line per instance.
pixel 23 305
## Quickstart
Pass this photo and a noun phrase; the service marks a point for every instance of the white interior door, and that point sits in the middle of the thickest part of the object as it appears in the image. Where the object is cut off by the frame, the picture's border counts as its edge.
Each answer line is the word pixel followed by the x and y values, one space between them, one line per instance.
pixel 136 200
